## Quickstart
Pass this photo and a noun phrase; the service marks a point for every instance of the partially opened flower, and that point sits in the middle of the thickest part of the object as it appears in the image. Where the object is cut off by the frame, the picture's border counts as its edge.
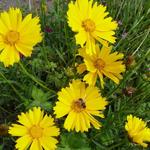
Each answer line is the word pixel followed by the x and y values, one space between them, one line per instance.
pixel 91 23
pixel 103 62
pixel 80 104
pixel 17 35
pixel 137 130
pixel 35 130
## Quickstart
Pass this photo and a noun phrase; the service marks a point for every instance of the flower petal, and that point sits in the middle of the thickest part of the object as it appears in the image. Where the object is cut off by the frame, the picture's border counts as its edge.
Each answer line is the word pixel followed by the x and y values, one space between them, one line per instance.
pixel 9 56
pixel 48 143
pixel 24 120
pixel 51 131
pixel 47 121
pixel 70 121
pixel 90 78
pixel 81 38
pixel 23 142
pixel 61 109
pixel 81 68
pixel 35 145
pixel 17 130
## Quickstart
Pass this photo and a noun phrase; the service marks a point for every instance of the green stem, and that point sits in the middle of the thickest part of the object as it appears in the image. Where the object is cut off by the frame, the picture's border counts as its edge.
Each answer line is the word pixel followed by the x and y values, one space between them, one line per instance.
pixel 116 145
pixel 42 5
pixel 39 82
pixel 130 31
pixel 99 145
pixel 141 42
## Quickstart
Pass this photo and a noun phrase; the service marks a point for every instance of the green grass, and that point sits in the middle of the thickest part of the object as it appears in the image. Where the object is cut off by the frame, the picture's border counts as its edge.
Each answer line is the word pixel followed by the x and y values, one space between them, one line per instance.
pixel 52 66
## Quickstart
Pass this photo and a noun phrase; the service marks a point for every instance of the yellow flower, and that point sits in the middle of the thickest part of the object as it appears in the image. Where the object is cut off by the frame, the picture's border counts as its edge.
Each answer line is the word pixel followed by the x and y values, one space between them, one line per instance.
pixel 17 35
pixel 36 130
pixel 80 103
pixel 91 23
pixel 81 68
pixel 103 62
pixel 137 130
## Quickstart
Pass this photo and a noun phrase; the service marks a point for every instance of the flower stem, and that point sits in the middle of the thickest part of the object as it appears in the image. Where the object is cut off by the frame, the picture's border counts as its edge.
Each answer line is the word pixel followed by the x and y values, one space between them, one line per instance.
pixel 39 82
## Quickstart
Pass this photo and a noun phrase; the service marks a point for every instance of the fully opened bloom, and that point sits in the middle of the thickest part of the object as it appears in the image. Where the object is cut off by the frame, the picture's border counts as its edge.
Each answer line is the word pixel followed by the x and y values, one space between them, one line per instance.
pixel 80 104
pixel 17 35
pixel 103 62
pixel 91 23
pixel 137 130
pixel 35 130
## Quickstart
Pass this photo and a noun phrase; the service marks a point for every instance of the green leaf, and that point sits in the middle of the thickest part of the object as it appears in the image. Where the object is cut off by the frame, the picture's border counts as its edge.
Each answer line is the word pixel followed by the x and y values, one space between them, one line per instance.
pixel 40 99
pixel 39 95
pixel 1 147
pixel 74 141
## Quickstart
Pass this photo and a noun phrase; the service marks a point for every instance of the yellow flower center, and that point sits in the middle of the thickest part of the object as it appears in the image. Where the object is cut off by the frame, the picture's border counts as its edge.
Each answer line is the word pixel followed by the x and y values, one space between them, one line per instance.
pixel 79 105
pixel 12 37
pixel 88 25
pixel 36 131
pixel 99 64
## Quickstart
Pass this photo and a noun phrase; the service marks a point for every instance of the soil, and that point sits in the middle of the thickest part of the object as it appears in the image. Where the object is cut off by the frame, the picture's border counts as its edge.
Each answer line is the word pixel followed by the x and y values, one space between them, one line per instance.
pixel 31 4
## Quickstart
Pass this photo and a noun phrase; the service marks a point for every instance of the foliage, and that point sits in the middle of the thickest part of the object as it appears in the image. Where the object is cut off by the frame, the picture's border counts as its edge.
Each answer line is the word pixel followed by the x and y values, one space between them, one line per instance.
pixel 36 80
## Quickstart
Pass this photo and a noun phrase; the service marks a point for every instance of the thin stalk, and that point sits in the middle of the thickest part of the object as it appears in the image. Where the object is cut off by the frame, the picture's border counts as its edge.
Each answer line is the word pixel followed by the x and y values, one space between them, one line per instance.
pixel 117 145
pixel 43 15
pixel 30 5
pixel 39 82
pixel 141 43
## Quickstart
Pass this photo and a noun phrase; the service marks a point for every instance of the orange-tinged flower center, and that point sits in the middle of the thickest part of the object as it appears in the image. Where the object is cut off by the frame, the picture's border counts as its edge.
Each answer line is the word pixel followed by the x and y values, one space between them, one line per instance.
pixel 88 25
pixel 79 105
pixel 99 64
pixel 36 131
pixel 12 37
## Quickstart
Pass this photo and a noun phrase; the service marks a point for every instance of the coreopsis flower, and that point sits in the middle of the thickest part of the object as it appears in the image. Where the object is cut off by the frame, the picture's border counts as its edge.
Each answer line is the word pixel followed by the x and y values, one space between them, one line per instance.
pixel 17 35
pixel 137 130
pixel 103 62
pixel 35 130
pixel 91 23
pixel 81 68
pixel 80 104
